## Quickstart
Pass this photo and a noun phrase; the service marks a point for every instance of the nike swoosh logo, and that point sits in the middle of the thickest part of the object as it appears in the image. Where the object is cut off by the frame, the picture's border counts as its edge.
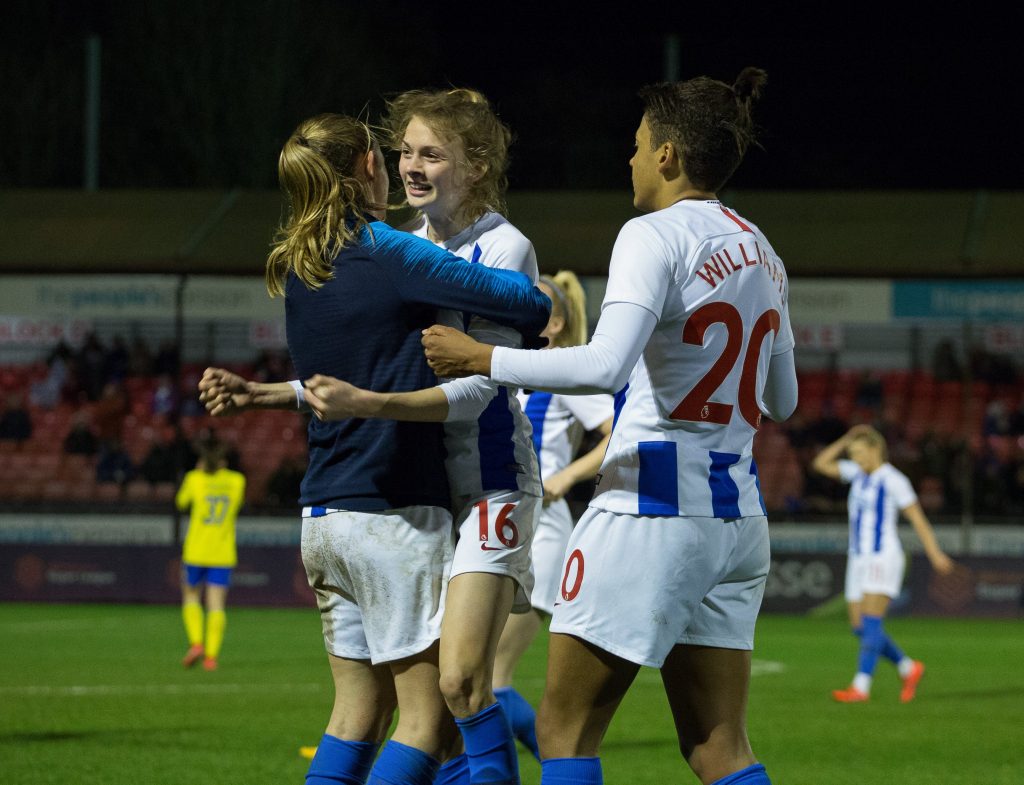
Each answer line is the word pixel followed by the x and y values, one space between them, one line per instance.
pixel 489 548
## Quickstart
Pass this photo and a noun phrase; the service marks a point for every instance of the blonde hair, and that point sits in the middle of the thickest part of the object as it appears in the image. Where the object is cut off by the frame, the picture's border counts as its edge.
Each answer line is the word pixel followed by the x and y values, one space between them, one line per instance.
pixel 327 200
pixel 872 439
pixel 464 115
pixel 569 302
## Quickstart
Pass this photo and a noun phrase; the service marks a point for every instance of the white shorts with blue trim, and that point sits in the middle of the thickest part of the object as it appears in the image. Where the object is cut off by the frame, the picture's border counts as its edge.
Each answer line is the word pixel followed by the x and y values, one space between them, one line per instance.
pixel 874 573
pixel 380 578
pixel 495 534
pixel 638 586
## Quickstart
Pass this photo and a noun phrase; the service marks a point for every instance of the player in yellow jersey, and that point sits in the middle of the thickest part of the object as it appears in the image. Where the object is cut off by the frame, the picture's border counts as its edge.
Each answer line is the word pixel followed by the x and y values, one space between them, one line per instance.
pixel 214 494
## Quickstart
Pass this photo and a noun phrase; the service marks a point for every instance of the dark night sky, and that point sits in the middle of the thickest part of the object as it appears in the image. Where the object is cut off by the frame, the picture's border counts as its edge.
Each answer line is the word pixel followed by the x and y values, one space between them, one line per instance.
pixel 862 100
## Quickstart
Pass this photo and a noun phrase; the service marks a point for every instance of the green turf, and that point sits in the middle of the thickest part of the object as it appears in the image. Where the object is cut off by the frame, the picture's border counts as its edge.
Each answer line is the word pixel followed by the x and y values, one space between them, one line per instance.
pixel 95 694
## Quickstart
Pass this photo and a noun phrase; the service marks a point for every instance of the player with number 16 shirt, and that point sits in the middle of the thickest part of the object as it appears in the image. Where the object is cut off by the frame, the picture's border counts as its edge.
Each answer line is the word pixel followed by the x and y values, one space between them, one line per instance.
pixel 668 565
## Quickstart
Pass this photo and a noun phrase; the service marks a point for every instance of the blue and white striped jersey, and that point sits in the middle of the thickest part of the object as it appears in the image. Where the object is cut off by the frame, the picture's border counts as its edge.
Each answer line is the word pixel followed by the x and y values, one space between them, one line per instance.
pixel 559 422
pixel 686 419
pixel 494 452
pixel 874 504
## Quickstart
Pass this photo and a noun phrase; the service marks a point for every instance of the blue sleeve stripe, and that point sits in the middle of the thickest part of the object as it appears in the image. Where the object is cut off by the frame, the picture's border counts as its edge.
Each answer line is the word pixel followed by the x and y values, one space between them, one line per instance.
pixel 432 275
pixel 725 494
pixel 658 483
pixel 537 411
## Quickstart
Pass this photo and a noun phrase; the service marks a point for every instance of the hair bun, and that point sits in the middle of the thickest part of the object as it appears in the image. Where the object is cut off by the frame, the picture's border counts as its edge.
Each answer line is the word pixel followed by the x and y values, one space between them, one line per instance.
pixel 749 83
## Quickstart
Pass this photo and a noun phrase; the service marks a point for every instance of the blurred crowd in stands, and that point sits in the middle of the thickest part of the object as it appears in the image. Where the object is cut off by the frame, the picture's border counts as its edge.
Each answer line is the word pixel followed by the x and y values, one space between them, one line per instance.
pixel 119 423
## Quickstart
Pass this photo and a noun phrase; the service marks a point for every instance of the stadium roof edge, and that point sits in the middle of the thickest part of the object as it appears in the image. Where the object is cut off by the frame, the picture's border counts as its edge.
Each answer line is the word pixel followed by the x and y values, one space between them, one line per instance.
pixel 888 234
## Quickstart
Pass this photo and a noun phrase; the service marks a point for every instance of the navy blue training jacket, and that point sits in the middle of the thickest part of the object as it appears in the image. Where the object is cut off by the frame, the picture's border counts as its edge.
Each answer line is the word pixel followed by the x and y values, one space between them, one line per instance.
pixel 363 326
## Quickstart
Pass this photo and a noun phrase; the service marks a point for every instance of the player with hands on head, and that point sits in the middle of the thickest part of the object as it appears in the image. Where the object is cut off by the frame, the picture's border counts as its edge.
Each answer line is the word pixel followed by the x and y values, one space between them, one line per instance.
pixel 694 338
pixel 879 494
pixel 377 529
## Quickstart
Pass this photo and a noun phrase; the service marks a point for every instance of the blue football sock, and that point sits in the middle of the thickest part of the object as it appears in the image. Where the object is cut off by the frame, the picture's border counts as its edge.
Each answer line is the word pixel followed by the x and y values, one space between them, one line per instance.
pixel 340 762
pixel 454 772
pixel 400 764
pixel 490 747
pixel 752 775
pixel 521 717
pixel 571 771
pixel 890 650
pixel 870 644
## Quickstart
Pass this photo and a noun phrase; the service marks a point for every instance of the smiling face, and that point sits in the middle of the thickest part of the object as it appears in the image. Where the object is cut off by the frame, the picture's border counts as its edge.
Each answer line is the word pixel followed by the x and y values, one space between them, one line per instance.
pixel 433 172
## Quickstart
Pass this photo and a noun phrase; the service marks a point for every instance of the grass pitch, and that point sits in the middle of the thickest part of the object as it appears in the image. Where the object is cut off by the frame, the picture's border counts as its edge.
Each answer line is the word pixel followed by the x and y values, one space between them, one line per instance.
pixel 96 694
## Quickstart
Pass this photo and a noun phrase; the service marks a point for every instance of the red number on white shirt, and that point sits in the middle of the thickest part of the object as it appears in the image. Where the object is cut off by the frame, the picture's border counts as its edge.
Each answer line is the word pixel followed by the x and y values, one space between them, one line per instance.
pixel 696 406
pixel 504 527
pixel 569 592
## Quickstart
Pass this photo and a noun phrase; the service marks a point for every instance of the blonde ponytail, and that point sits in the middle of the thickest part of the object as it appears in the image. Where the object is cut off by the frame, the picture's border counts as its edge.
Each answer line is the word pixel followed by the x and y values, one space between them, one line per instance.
pixel 570 302
pixel 318 171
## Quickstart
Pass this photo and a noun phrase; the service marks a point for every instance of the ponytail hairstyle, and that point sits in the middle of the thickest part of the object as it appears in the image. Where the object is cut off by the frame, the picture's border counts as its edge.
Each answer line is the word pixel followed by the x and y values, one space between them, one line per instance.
pixel 464 115
pixel 709 122
pixel 570 303
pixel 318 171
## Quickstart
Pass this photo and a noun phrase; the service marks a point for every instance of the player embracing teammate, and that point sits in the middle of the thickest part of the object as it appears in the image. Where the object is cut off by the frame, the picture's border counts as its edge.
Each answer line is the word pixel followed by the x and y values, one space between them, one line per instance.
pixel 668 565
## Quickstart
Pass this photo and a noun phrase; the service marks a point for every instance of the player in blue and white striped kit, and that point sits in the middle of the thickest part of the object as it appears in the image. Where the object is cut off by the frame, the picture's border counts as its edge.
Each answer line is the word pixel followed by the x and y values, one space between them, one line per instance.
pixel 377 531
pixel 667 567
pixel 879 492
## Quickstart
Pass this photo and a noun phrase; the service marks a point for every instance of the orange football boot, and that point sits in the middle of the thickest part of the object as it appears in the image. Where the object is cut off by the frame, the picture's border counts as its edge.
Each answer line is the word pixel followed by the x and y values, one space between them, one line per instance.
pixel 850 695
pixel 910 682
pixel 192 656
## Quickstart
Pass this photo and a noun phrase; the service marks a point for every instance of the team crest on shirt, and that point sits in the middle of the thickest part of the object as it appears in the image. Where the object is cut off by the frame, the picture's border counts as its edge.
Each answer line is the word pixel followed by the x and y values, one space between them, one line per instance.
pixel 705 412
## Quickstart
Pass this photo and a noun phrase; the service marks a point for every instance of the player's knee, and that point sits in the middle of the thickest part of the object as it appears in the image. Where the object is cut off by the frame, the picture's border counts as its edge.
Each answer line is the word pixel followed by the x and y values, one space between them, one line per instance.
pixel 369 727
pixel 465 690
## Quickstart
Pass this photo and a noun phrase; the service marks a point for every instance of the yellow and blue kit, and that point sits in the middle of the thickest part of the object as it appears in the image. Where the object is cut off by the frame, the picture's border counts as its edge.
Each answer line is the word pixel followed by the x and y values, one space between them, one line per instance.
pixel 215 499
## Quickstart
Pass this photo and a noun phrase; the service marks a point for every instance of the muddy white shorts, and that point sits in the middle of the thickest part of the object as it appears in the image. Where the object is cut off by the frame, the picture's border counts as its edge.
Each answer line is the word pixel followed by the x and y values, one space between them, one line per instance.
pixel 637 586
pixel 495 533
pixel 874 573
pixel 554 526
pixel 379 578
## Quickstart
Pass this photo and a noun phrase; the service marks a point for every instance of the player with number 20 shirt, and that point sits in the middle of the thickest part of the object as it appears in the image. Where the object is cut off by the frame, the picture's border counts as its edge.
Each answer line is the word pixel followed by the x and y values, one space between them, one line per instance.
pixel 668 565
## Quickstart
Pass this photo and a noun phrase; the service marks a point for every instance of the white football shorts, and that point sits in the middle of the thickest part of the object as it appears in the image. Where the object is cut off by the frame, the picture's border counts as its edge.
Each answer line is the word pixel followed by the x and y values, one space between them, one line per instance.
pixel 638 586
pixel 495 533
pixel 554 526
pixel 379 578
pixel 874 573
